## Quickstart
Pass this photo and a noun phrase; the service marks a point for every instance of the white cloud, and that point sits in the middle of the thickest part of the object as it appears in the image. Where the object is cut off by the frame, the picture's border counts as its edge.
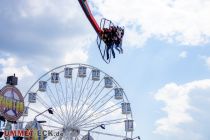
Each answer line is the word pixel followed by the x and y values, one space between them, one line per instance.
pixel 178 107
pixel 186 22
pixel 207 59
pixel 10 66
pixel 76 56
pixel 46 30
pixel 183 54
pixel 65 9
pixel 74 50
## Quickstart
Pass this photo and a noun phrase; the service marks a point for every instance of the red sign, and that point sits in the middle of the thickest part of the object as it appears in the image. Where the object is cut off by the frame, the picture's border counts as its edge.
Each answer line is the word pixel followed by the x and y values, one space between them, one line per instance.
pixel 11 103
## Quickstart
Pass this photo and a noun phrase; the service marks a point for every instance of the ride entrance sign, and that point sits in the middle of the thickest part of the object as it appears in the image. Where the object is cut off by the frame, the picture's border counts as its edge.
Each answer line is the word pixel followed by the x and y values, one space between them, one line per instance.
pixel 11 103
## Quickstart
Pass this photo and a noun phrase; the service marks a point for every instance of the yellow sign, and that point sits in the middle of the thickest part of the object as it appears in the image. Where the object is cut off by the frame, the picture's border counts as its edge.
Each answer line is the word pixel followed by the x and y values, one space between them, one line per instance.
pixel 11 103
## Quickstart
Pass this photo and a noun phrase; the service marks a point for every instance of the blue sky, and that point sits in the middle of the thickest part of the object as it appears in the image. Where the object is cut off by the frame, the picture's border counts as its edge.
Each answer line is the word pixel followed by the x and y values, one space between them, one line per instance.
pixel 164 70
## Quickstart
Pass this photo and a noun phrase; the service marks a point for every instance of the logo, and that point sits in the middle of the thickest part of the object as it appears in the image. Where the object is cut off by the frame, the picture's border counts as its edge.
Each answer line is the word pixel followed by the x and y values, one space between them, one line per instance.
pixel 11 103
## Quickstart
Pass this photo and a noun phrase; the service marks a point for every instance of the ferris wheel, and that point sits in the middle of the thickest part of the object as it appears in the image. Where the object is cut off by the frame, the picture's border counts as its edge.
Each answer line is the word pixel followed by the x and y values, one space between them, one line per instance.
pixel 79 102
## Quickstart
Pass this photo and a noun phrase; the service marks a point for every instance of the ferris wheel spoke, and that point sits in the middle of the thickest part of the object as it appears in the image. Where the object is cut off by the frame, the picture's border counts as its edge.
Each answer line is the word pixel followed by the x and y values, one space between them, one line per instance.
pixel 57 113
pixel 54 105
pixel 86 83
pixel 52 126
pixel 89 106
pixel 92 114
pixel 82 92
pixel 93 100
pixel 69 107
pixel 74 94
pixel 108 112
pixel 45 116
pixel 71 84
pixel 42 101
pixel 64 98
pixel 60 105
pixel 80 96
pixel 107 122
pixel 66 102
pixel 106 109
pixel 72 97
pixel 62 91
pixel 100 100
pixel 54 102
pixel 78 100
pixel 95 89
pixel 101 105
pixel 47 107
pixel 97 117
pixel 92 106
pixel 107 134
pixel 89 96
pixel 81 107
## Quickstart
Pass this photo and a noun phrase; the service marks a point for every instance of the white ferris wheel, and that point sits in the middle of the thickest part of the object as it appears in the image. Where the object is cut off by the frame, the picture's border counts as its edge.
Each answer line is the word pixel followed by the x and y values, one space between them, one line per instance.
pixel 87 104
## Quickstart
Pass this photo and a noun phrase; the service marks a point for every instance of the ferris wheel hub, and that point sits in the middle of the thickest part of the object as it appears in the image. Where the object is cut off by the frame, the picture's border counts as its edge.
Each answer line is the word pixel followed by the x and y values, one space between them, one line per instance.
pixel 72 131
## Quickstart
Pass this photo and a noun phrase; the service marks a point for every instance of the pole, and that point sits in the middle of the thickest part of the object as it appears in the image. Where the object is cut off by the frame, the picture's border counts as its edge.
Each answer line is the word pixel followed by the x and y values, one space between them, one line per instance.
pixel 102 126
pixel 88 135
pixel 42 113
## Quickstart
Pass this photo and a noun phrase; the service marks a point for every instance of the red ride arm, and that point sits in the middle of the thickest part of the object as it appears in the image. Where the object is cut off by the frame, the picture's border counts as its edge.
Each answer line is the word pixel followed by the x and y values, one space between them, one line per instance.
pixel 90 17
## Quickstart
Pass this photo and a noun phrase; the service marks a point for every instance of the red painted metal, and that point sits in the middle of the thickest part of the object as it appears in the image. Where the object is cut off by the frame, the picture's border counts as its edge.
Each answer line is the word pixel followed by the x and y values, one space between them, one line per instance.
pixel 88 13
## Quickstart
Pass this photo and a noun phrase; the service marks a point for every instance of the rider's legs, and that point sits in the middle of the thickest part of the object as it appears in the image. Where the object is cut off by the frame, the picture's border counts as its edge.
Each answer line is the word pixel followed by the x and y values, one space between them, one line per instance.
pixel 113 53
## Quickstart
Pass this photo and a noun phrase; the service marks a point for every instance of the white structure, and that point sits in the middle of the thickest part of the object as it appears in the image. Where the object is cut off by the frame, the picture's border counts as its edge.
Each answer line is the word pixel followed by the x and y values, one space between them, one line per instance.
pixel 82 71
pixel 118 93
pixel 54 77
pixel 19 125
pixel 85 98
pixel 32 97
pixel 25 113
pixel 42 86
pixel 128 139
pixel 95 75
pixel 68 72
pixel 126 108
pixel 86 137
pixel 108 82
pixel 129 125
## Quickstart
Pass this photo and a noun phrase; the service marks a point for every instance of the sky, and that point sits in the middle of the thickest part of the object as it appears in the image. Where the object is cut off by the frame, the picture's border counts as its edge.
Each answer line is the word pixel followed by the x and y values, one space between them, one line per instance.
pixel 165 68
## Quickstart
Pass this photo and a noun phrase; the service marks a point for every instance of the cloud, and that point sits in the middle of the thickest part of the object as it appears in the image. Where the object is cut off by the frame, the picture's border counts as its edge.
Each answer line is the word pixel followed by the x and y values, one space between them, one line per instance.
pixel 182 103
pixel 65 9
pixel 186 22
pixel 183 54
pixel 76 56
pixel 37 25
pixel 39 31
pixel 40 35
pixel 9 66
pixel 207 59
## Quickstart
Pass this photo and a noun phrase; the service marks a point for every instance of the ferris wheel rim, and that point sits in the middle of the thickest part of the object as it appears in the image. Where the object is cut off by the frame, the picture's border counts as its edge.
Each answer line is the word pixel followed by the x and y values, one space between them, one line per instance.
pixel 76 65
pixel 70 64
